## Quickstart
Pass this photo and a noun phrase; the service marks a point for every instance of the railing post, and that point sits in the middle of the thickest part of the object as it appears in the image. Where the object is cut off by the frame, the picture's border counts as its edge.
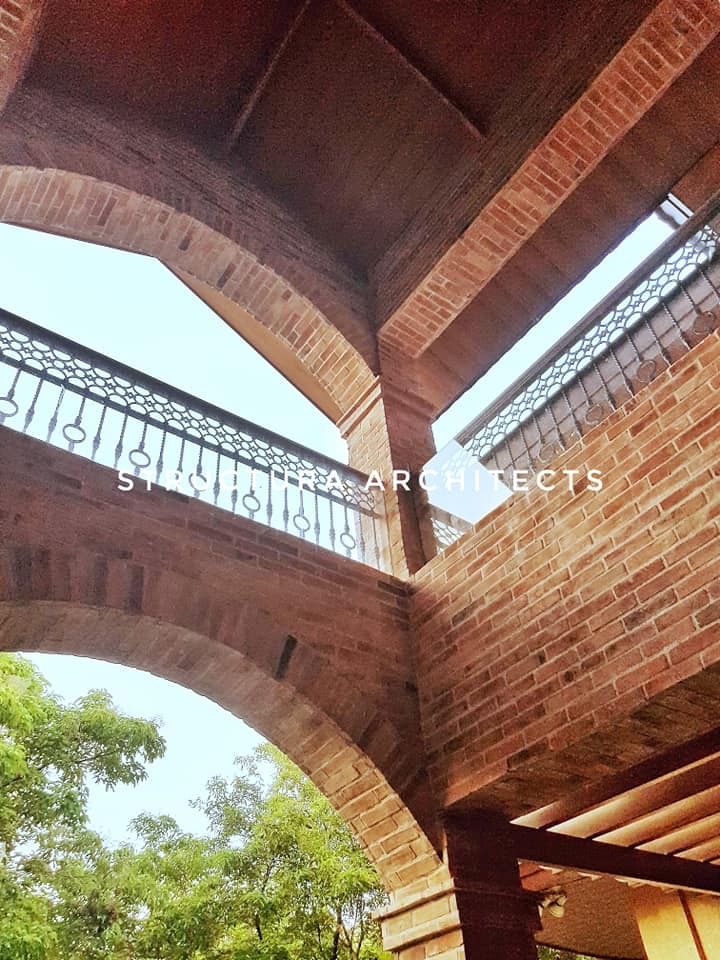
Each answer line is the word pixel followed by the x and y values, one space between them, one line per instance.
pixel 387 431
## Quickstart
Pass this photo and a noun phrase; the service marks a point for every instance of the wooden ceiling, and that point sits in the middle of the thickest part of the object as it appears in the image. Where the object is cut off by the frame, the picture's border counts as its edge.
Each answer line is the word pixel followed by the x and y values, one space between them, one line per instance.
pixel 668 805
pixel 357 116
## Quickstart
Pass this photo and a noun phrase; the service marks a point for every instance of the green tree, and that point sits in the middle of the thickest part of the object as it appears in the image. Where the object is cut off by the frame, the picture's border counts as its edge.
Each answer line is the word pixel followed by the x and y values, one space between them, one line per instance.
pixel 48 753
pixel 550 953
pixel 279 876
pixel 304 880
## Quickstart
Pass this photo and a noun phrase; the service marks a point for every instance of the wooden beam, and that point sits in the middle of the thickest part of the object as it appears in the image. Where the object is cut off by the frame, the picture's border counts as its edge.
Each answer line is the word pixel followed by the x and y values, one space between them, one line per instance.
pixel 605 859
pixel 482 833
pixel 693 753
pixel 264 78
pixel 372 31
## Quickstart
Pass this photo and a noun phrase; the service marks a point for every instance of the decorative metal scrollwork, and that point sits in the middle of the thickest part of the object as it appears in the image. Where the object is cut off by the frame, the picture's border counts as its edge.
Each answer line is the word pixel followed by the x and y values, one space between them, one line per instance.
pixel 685 277
pixel 665 306
pixel 109 412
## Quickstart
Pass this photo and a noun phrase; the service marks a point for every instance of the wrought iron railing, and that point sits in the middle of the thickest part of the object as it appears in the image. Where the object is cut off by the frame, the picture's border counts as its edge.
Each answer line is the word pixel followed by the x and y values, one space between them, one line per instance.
pixel 664 308
pixel 446 527
pixel 83 401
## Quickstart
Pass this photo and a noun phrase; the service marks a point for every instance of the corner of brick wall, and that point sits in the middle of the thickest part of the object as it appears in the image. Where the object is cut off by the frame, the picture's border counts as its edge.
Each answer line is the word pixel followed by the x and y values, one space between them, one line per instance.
pixel 556 612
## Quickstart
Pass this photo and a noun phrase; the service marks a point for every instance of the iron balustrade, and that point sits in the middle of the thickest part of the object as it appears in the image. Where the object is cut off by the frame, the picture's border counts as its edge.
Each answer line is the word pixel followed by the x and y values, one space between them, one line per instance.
pixel 666 306
pixel 663 308
pixel 90 404
pixel 446 527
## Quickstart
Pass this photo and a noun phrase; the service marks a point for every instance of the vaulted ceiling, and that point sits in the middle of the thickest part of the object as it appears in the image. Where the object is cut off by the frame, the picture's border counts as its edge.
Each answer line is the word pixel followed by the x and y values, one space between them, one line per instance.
pixel 386 126
pixel 357 116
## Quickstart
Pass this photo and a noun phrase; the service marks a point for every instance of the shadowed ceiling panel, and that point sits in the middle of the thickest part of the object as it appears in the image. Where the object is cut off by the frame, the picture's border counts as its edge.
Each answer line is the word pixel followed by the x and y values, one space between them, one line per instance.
pixel 376 121
pixel 349 134
pixel 186 62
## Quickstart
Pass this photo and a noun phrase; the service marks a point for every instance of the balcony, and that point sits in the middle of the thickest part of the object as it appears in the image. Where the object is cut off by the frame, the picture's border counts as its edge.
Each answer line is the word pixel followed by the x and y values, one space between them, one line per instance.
pixel 663 309
pixel 155 435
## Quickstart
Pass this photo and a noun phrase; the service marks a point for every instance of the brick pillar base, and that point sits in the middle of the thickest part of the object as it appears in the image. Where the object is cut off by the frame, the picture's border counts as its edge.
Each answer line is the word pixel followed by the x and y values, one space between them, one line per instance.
pixel 390 429
pixel 424 923
pixel 476 911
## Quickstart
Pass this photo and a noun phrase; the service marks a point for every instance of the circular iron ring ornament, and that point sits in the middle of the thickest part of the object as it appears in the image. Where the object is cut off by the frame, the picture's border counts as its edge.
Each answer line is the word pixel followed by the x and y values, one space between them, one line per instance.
pixel 8 407
pixel 302 524
pixel 248 499
pixel 348 540
pixel 595 414
pixel 74 433
pixel 139 458
pixel 646 370
pixel 705 323
pixel 548 451
pixel 198 476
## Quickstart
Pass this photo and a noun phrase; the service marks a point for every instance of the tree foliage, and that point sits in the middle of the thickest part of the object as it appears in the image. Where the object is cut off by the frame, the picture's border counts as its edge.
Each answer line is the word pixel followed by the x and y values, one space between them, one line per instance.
pixel 48 753
pixel 277 876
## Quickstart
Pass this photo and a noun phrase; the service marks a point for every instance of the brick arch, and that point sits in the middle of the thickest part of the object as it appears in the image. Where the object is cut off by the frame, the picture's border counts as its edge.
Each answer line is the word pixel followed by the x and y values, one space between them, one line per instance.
pixel 237 655
pixel 66 169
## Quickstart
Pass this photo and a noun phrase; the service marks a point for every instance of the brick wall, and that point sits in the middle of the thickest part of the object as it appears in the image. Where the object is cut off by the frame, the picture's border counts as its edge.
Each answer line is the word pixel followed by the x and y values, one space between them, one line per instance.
pixel 19 20
pixel 192 593
pixel 66 168
pixel 666 43
pixel 559 614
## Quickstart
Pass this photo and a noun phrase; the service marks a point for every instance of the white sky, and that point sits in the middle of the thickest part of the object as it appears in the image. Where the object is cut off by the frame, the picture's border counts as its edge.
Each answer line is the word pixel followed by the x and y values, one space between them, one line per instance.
pixel 136 311
pixel 202 740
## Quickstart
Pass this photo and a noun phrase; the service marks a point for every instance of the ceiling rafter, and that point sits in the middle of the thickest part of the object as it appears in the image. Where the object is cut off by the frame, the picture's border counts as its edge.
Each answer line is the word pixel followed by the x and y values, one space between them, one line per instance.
pixel 681 760
pixel 264 78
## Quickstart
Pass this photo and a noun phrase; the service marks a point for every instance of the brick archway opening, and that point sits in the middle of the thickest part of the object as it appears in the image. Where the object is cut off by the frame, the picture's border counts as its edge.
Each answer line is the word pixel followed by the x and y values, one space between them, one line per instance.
pixel 269 309
pixel 278 709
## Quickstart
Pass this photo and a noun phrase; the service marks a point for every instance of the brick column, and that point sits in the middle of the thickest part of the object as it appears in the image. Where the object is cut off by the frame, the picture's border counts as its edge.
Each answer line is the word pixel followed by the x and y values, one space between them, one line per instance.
pixel 423 922
pixel 390 429
pixel 477 910
pixel 498 918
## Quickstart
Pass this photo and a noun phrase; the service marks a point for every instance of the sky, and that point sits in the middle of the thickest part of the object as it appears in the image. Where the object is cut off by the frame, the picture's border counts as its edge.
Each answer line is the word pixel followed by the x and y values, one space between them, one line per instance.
pixel 134 310
pixel 202 741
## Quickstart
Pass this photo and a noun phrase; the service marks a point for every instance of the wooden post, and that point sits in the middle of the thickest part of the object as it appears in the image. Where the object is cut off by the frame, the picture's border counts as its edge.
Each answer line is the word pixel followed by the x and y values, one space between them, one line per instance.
pixel 676 925
pixel 498 918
